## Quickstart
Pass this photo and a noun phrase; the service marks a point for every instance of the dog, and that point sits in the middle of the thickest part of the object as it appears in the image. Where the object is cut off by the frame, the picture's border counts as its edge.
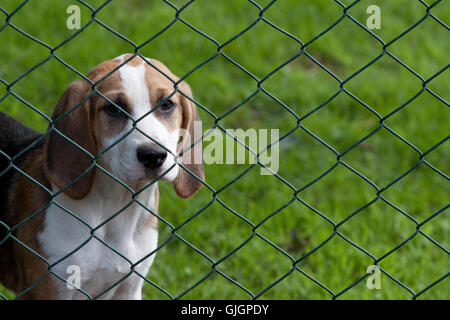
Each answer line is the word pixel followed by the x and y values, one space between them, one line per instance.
pixel 82 200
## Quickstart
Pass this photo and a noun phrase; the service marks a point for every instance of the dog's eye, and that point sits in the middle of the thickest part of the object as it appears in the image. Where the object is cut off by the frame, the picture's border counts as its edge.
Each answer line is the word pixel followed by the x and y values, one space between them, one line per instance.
pixel 167 105
pixel 112 110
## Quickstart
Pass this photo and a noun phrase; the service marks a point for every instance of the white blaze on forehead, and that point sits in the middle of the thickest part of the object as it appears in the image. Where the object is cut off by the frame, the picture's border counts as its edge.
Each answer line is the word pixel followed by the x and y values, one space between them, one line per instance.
pixel 121 57
pixel 133 81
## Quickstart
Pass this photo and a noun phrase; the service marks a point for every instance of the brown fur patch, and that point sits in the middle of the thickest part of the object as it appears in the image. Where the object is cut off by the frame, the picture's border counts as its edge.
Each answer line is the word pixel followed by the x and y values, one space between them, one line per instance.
pixel 27 198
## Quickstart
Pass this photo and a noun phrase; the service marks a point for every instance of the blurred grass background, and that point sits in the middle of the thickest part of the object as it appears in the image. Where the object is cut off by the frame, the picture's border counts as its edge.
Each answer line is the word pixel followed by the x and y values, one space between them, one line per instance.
pixel 303 86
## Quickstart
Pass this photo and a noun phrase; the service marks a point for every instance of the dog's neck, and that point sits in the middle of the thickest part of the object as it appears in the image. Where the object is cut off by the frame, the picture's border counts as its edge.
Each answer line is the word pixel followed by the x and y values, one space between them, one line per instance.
pixel 109 197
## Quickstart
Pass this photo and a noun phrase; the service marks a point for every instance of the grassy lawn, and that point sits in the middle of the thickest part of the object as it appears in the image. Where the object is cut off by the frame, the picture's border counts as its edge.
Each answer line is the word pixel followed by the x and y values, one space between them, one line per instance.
pixel 305 220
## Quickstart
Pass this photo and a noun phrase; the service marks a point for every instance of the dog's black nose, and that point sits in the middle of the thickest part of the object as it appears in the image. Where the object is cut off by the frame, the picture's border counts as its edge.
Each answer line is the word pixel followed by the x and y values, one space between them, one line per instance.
pixel 151 158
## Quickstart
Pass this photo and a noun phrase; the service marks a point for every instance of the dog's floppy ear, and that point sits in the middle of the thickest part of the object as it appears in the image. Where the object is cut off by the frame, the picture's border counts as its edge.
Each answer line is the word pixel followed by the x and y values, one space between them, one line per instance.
pixel 64 162
pixel 185 184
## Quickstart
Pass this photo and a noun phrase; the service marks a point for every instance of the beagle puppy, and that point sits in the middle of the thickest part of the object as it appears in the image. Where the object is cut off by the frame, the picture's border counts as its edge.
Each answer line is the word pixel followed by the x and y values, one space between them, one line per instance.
pixel 78 207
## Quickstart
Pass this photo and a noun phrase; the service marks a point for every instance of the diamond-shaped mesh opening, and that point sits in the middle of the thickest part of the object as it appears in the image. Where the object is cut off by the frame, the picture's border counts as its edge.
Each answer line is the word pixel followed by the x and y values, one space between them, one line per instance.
pixel 351 121
pixel 324 267
pixel 359 48
pixel 312 84
pixel 24 62
pixel 289 229
pixel 191 265
pixel 433 259
pixel 400 17
pixel 306 27
pixel 413 38
pixel 183 39
pixel 265 270
pixel 108 44
pixel 141 32
pixel 236 194
pixel 236 16
pixel 197 231
pixel 273 56
pixel 424 137
pixel 384 101
pixel 410 193
pixel 25 20
pixel 358 228
pixel 296 285
pixel 382 157
pixel 338 181
pixel 361 178
pixel 307 154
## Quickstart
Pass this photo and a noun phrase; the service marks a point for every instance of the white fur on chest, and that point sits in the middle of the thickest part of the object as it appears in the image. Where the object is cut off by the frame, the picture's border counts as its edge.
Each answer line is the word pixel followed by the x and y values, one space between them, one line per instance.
pixel 130 235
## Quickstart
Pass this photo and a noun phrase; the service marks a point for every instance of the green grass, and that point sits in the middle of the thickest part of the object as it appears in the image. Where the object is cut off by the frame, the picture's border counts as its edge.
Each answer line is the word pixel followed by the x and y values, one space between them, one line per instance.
pixel 302 85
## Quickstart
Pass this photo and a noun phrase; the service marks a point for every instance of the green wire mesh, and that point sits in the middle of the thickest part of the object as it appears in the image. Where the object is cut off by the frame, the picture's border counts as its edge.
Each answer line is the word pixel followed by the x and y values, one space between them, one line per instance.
pixel 259 82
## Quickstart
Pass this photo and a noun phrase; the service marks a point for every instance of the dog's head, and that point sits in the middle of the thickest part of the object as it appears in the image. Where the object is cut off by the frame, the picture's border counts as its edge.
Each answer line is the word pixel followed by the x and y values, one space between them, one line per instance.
pixel 137 141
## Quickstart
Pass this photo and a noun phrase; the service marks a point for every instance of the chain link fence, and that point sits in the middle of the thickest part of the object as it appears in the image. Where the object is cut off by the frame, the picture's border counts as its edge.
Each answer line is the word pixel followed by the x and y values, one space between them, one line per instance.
pixel 259 88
